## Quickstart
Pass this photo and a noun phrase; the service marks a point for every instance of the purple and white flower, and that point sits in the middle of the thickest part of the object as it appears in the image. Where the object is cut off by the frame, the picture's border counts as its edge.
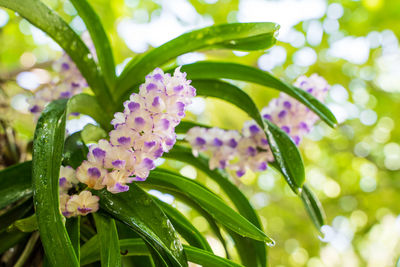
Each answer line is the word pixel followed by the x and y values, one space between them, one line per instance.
pixel 249 150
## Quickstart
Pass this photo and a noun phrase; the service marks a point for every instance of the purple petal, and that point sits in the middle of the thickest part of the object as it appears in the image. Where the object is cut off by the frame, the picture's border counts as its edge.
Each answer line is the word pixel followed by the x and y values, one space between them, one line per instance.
pixel 254 129
pixel 34 109
pixel 156 101
pixel 133 106
pixel 286 129
pixel 263 166
pixel 267 117
pixel 240 173
pixel 65 66
pixel 251 151
pixel 99 153
pixel 139 120
pixel 178 88
pixel 118 163
pixel 94 172
pixel 200 141
pixel 84 210
pixel 150 144
pixel 62 181
pixel 149 164
pixel 217 142
pixel 282 114
pixel 151 86
pixel 123 140
pixel 158 76
pixel 121 188
pixel 287 104
pixel 232 143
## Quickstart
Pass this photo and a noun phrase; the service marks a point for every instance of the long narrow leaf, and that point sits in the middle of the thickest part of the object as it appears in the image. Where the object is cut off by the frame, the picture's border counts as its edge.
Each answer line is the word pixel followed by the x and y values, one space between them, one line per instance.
pixel 136 246
pixel 100 40
pixel 209 201
pixel 108 239
pixel 234 71
pixel 313 207
pixel 137 209
pixel 256 249
pixel 88 105
pixel 15 213
pixel 48 21
pixel 237 36
pixel 184 227
pixel 15 183
pixel 229 93
pixel 73 229
pixel 47 150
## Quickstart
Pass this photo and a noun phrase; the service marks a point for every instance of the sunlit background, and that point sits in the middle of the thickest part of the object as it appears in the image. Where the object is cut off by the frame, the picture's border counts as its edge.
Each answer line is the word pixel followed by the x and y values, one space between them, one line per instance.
pixel 354 168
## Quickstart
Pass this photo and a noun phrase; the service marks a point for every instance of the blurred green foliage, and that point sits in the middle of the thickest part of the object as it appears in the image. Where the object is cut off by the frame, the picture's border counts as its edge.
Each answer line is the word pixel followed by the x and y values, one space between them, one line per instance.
pixel 354 168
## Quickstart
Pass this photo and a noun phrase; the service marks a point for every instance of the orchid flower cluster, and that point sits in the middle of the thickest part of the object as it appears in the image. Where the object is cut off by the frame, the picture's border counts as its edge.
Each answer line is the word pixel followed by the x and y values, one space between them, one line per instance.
pixel 78 204
pixel 249 150
pixel 142 133
pixel 69 82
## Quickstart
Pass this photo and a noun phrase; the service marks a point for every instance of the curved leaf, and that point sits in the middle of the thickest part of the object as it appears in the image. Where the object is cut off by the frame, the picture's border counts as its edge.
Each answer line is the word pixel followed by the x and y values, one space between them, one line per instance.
pixel 255 249
pixel 229 93
pixel 25 225
pixel 47 150
pixel 15 213
pixel 15 183
pixel 108 239
pixel 74 231
pixel 75 151
pixel 8 240
pixel 234 71
pixel 184 227
pixel 207 200
pixel 313 207
pixel 185 126
pixel 237 36
pixel 135 246
pixel 137 209
pixel 88 105
pixel 48 21
pixel 100 40
pixel 286 155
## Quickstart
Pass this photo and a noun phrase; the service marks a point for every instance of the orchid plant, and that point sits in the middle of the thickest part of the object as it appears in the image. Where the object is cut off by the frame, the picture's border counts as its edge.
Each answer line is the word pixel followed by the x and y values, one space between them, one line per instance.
pixel 90 201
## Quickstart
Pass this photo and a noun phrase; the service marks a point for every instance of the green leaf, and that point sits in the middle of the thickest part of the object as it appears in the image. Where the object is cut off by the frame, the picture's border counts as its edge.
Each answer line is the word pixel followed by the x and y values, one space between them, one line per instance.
pixel 15 183
pixel 25 225
pixel 137 209
pixel 184 227
pixel 185 126
pixel 92 133
pixel 108 239
pixel 256 249
pixel 48 21
pixel 8 240
pixel 88 105
pixel 136 246
pixel 207 200
pixel 73 229
pixel 75 151
pixel 229 93
pixel 236 36
pixel 286 155
pixel 100 40
pixel 218 70
pixel 313 207
pixel 10 215
pixel 47 150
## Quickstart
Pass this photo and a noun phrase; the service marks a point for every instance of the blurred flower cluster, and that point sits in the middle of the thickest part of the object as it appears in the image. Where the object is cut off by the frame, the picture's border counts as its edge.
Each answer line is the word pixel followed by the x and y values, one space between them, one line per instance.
pixel 69 81
pixel 249 150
